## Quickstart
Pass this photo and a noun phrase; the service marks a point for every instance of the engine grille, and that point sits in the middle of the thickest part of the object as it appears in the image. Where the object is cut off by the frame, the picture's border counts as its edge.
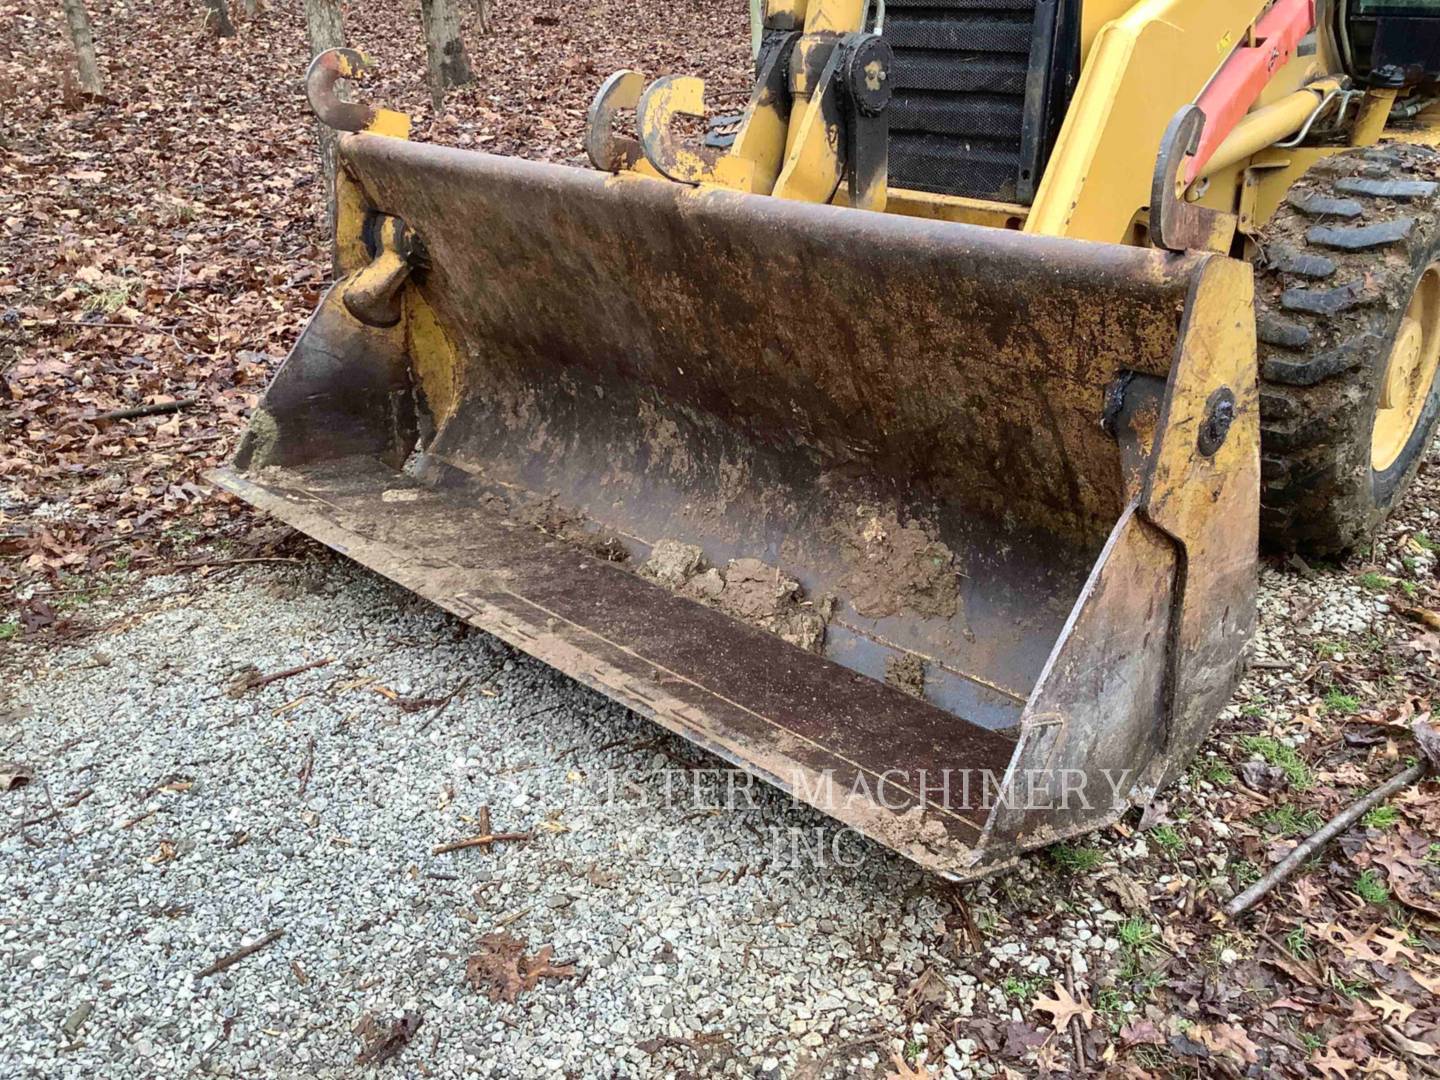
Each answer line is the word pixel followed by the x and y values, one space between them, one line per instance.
pixel 979 86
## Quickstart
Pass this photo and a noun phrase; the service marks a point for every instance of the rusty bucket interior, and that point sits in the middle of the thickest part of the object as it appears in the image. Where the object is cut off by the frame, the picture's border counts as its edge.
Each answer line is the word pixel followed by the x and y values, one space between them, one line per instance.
pixel 854 500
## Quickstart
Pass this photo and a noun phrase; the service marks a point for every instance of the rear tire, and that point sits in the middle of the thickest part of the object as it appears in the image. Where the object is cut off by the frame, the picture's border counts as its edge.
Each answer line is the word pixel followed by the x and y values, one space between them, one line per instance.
pixel 1337 269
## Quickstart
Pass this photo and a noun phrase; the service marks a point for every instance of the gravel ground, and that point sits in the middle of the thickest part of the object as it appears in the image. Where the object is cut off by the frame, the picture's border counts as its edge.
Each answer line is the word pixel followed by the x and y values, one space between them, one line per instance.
pixel 658 899
pixel 703 942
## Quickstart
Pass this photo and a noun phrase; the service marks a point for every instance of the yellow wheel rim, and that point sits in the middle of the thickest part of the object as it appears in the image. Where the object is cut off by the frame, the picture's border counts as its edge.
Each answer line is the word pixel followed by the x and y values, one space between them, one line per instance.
pixel 1409 372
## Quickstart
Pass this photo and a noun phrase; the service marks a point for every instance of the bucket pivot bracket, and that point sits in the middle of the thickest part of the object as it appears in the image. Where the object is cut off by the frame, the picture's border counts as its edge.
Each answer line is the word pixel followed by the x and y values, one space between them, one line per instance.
pixel 1176 224
pixel 866 91
pixel 372 294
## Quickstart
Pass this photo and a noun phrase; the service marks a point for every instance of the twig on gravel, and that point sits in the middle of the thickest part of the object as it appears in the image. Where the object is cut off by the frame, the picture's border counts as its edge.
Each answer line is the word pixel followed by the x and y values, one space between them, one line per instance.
pixel 1075 1034
pixel 1333 828
pixel 45 786
pixel 161 785
pixel 539 712
pixel 484 838
pixel 307 766
pixel 241 953
pixel 255 682
pixel 846 1049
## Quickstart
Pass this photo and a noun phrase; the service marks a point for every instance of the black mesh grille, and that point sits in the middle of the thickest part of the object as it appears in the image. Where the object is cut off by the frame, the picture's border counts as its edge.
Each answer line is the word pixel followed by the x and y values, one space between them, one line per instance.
pixel 972 100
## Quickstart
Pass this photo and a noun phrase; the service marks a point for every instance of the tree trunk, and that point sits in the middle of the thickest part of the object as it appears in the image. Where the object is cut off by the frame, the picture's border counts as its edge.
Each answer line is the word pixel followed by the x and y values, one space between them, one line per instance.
pixel 217 18
pixel 252 8
pixel 84 42
pixel 448 63
pixel 486 10
pixel 325 26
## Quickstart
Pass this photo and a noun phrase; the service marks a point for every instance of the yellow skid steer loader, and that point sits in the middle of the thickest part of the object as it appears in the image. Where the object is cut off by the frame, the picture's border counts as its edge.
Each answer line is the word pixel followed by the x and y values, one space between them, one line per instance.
pixel 907 441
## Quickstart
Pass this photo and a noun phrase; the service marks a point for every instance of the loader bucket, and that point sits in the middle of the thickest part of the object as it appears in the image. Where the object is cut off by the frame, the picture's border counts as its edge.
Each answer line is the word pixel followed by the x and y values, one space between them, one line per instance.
pixel 949 531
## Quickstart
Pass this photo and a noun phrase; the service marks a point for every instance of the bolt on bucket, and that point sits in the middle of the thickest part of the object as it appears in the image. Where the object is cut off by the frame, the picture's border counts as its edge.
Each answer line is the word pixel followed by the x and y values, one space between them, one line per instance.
pixel 949 531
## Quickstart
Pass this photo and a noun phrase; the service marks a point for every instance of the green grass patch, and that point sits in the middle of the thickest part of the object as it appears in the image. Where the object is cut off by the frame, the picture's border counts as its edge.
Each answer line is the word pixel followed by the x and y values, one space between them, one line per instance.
pixel 1337 701
pixel 1137 935
pixel 1423 539
pixel 1349 988
pixel 1076 860
pixel 1168 837
pixel 1276 753
pixel 9 629
pixel 1287 821
pixel 1212 771
pixel 110 299
pixel 1297 944
pixel 1381 817
pixel 1018 989
pixel 1371 888
pixel 1373 581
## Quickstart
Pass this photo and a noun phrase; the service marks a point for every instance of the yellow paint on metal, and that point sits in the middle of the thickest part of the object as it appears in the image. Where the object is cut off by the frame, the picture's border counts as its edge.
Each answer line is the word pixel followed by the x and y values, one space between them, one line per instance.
pixel 666 98
pixel 434 356
pixel 1094 14
pixel 350 210
pixel 813 165
pixel 1374 113
pixel 785 14
pixel 761 142
pixel 388 122
pixel 1142 68
pixel 833 16
pixel 1409 373
pixel 925 204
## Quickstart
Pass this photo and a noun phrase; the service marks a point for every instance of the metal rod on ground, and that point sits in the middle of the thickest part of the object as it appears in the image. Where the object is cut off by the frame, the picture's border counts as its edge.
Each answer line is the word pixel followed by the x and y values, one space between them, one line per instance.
pixel 1333 828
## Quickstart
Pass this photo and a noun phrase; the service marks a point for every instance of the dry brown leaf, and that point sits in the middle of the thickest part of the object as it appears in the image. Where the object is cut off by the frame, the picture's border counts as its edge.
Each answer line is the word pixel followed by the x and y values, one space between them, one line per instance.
pixel 381 1041
pixel 1331 1064
pixel 163 854
pixel 13 775
pixel 1226 1040
pixel 903 1070
pixel 1392 944
pixel 504 972
pixel 1389 1007
pixel 1064 1008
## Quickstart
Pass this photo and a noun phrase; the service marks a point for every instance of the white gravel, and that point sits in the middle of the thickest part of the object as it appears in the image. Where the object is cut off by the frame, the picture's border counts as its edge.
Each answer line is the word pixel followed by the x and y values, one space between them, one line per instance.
pixel 682 921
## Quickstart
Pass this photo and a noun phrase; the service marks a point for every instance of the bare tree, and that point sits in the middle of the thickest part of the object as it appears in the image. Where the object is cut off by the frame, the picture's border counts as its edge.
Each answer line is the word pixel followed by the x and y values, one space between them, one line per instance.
pixel 217 18
pixel 325 26
pixel 448 63
pixel 84 42
pixel 486 10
